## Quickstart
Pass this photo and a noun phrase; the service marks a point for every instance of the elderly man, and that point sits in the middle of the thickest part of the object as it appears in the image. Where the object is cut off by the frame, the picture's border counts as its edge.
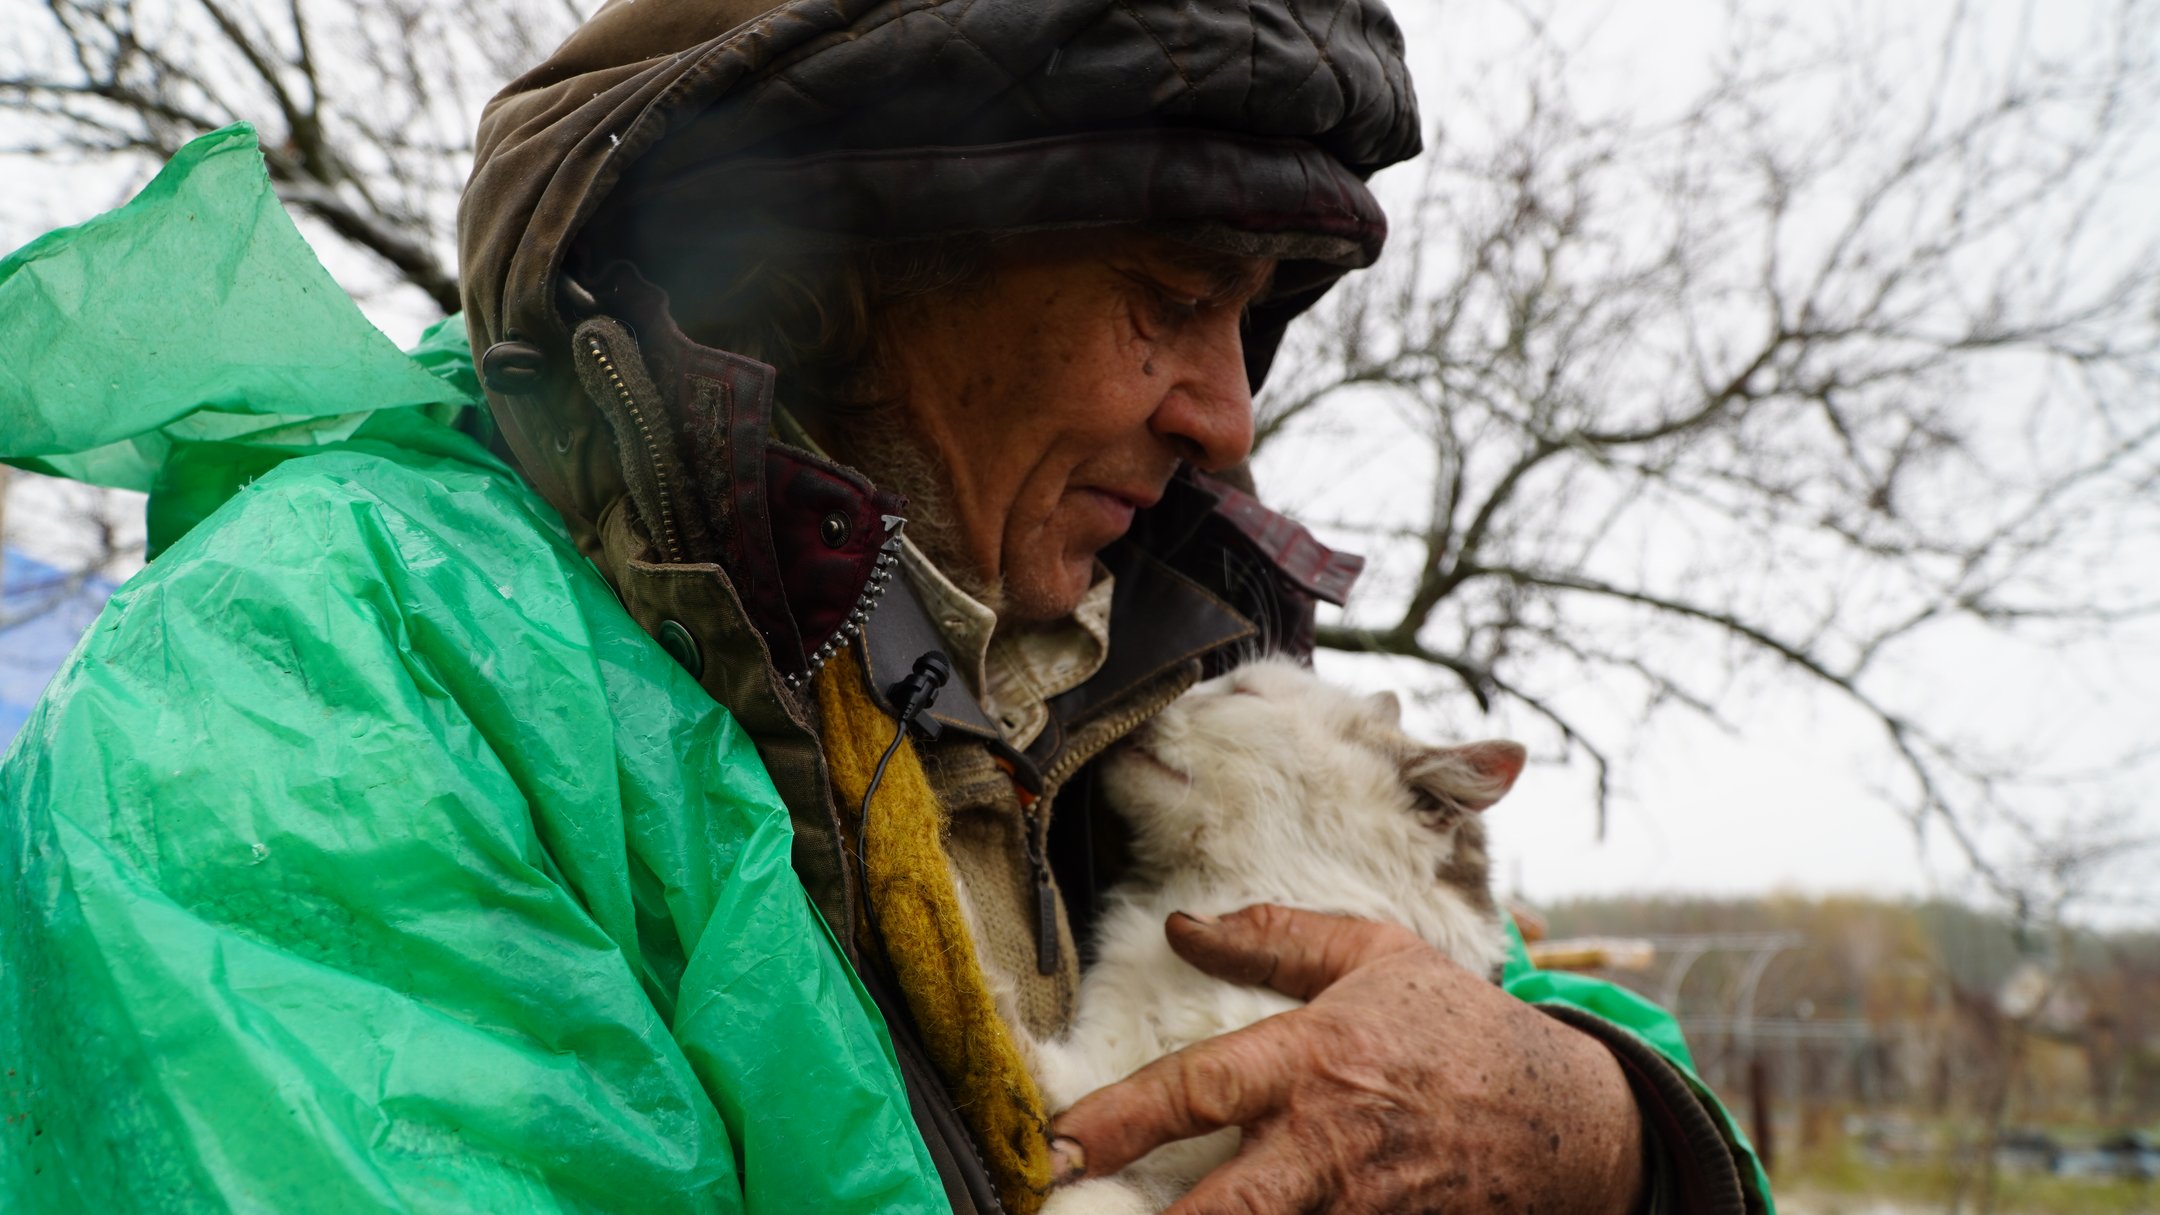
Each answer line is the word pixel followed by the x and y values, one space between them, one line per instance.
pixel 1022 263
pixel 836 334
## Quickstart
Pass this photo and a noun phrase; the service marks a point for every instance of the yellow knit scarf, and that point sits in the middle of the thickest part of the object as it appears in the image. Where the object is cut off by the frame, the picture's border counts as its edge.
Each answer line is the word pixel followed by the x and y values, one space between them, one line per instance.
pixel 925 936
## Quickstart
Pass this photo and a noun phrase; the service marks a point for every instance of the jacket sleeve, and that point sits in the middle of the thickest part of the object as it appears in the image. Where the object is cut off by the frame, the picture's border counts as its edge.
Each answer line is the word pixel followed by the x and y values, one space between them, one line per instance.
pixel 1699 1162
pixel 366 858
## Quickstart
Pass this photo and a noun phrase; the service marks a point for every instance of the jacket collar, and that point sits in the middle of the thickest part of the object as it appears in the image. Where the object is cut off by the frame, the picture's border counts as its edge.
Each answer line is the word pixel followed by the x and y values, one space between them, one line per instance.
pixel 1159 619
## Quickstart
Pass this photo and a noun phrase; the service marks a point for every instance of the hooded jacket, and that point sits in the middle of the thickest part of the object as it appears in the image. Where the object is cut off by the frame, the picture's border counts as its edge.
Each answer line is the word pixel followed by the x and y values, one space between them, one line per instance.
pixel 871 121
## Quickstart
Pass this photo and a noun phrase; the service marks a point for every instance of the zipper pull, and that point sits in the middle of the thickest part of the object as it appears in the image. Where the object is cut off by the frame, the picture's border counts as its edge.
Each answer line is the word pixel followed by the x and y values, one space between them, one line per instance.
pixel 1047 957
pixel 1047 960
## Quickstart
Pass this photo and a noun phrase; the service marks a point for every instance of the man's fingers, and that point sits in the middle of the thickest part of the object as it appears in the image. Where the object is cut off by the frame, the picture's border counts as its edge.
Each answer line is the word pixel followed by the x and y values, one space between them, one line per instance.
pixel 1232 1080
pixel 1238 1078
pixel 1298 953
pixel 1264 1179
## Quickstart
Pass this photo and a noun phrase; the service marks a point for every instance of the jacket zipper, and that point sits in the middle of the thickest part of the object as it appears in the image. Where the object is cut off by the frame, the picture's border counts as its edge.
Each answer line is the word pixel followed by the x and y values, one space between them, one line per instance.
pixel 670 542
pixel 1036 825
pixel 1111 729
pixel 1035 839
pixel 859 614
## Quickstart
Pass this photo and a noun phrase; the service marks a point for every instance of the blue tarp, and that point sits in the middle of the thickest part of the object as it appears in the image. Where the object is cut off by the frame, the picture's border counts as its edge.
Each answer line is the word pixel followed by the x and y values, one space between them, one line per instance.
pixel 52 616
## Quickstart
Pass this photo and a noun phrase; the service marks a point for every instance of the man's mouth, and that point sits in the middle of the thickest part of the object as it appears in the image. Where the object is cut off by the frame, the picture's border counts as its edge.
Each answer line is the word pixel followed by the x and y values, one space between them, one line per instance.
pixel 1136 499
pixel 1117 507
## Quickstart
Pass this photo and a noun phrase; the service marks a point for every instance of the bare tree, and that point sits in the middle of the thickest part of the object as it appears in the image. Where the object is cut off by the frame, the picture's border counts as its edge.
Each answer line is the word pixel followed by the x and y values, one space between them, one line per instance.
pixel 1858 345
pixel 366 110
pixel 2055 867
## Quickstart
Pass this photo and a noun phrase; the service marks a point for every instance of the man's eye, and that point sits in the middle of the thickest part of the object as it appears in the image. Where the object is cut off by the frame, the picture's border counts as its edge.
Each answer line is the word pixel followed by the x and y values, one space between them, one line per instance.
pixel 1173 309
pixel 1162 307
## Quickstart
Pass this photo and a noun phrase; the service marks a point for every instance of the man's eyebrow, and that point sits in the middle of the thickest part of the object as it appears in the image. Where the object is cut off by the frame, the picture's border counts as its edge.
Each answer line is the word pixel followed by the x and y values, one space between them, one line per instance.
pixel 1228 276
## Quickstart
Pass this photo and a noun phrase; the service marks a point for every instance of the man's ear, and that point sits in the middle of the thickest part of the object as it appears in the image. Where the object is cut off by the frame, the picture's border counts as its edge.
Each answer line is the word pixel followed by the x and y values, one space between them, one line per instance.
pixel 1471 776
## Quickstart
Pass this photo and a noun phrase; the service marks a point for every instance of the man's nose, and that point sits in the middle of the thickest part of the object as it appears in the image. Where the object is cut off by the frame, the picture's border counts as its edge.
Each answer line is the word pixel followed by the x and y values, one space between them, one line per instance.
pixel 1208 413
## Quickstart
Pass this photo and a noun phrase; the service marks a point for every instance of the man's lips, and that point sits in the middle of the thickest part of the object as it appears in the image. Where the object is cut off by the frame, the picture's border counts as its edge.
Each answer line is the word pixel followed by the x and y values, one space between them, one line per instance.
pixel 1118 506
pixel 1138 499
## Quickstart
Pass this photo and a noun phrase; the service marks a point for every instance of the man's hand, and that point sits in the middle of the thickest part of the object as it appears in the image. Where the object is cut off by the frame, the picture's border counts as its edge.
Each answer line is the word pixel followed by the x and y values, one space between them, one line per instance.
pixel 1405 1084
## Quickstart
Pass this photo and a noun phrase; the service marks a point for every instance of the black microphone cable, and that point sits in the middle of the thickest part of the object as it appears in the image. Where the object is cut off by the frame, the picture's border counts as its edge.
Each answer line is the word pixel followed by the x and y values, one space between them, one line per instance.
pixel 914 695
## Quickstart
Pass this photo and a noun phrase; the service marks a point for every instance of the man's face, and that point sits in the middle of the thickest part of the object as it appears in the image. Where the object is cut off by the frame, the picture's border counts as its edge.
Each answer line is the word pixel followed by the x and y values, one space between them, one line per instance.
pixel 1060 397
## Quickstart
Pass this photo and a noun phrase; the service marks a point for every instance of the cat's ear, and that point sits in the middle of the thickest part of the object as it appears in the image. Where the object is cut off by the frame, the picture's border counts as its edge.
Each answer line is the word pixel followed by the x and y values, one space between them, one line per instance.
pixel 1386 706
pixel 1472 776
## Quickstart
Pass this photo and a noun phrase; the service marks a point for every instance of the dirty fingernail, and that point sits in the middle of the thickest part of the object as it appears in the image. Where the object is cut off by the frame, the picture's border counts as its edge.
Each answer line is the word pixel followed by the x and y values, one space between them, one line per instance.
pixel 1068 1160
pixel 1200 917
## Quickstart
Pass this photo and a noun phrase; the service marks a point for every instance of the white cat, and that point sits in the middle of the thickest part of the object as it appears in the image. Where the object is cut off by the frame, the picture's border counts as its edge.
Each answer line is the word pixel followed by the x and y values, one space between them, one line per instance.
pixel 1264 786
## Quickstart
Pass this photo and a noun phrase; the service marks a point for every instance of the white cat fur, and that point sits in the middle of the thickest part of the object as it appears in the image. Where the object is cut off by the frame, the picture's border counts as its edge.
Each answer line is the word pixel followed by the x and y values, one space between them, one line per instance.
pixel 1263 786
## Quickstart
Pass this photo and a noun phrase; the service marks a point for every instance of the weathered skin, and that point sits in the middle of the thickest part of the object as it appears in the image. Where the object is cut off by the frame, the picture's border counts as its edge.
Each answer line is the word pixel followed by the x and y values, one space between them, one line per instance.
pixel 1406 1084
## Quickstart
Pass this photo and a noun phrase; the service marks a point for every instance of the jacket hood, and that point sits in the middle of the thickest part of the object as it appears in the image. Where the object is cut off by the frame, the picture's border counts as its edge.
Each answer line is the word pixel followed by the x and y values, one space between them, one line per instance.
pixel 897 118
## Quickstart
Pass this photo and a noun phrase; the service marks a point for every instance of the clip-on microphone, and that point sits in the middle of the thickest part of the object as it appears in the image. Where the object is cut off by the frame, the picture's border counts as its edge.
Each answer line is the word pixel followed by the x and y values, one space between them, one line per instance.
pixel 919 690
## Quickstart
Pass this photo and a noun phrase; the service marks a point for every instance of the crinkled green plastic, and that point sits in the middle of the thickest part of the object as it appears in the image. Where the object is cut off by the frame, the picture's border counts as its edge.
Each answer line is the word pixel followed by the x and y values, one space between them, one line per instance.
pixel 365 856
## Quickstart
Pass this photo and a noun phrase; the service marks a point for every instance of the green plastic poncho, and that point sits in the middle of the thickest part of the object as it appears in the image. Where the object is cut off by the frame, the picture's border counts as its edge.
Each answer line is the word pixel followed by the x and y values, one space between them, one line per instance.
pixel 365 856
